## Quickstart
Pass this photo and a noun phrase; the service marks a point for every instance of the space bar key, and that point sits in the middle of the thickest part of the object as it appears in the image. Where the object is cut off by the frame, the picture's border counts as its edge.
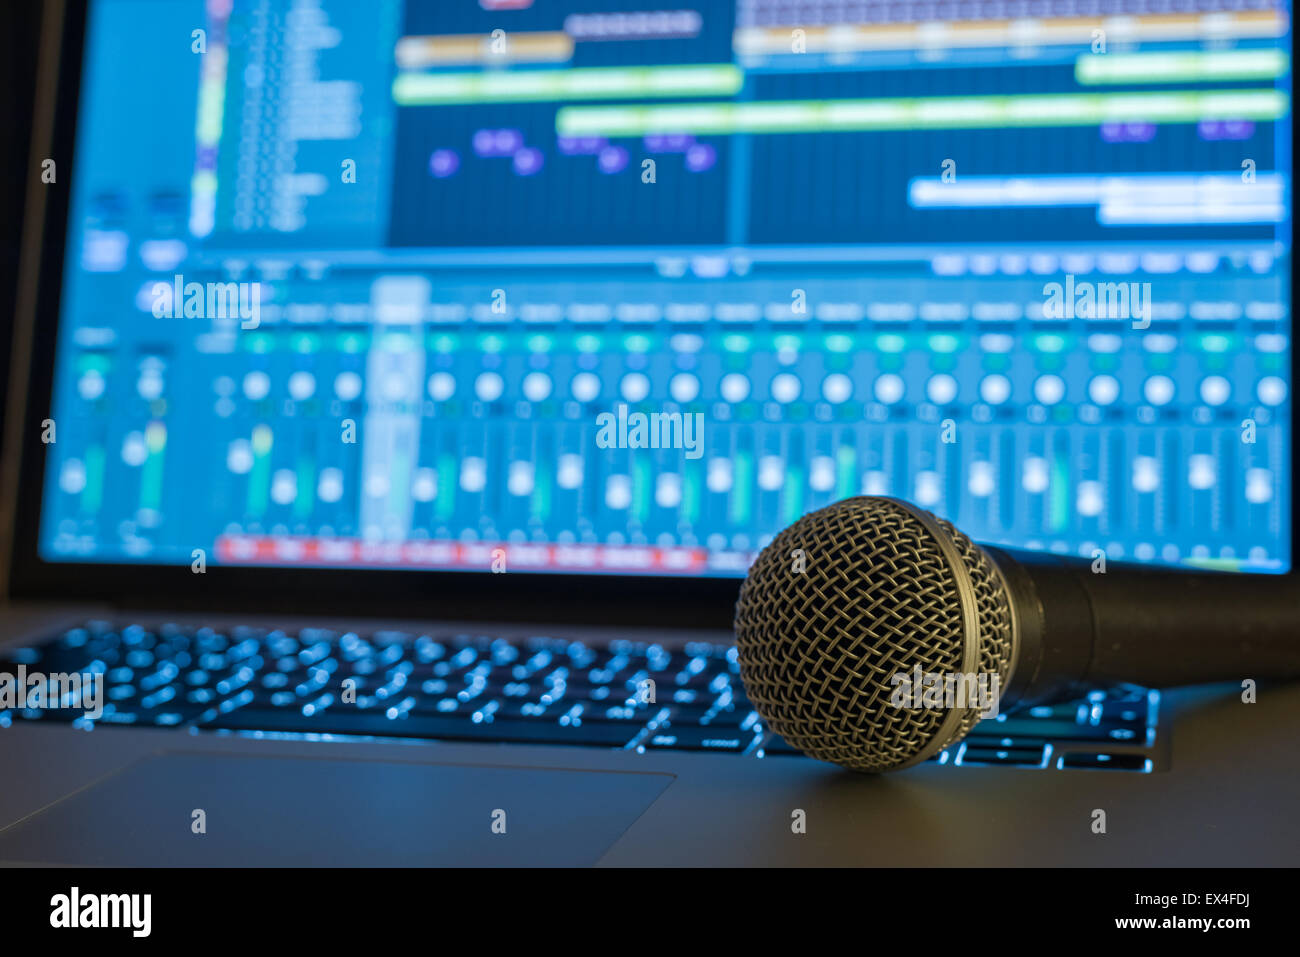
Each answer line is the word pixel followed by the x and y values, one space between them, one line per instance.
pixel 539 731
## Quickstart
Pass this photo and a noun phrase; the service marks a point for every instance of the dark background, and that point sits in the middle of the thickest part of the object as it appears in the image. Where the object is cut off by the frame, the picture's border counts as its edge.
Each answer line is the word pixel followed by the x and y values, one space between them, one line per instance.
pixel 19 30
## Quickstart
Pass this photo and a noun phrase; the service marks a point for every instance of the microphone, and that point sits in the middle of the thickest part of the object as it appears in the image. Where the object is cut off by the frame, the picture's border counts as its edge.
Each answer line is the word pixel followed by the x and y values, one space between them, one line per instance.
pixel 846 609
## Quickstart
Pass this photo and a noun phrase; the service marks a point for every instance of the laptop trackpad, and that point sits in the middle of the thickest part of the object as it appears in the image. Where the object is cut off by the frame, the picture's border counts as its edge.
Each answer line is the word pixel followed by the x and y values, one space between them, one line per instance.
pixel 331 812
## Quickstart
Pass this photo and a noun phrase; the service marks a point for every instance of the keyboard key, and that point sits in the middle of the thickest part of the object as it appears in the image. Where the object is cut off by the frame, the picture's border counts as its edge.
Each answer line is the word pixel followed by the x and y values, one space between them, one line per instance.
pixel 699 739
pixel 978 755
pixel 1105 762
pixel 1028 727
pixel 994 743
pixel 344 721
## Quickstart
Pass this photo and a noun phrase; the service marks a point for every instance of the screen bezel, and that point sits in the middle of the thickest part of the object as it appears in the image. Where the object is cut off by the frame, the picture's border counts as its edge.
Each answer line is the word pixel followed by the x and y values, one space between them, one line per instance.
pixel 702 602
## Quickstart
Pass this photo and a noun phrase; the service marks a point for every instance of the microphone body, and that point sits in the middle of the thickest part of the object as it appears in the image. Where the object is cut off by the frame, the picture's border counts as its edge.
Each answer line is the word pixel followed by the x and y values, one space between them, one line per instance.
pixel 1141 624
pixel 866 595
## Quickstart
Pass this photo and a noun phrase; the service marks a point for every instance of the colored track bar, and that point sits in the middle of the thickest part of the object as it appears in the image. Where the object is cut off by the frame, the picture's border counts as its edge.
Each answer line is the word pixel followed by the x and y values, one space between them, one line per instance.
pixel 421 52
pixel 964 112
pixel 589 83
pixel 1184 67
pixel 1023 33
pixel 1138 199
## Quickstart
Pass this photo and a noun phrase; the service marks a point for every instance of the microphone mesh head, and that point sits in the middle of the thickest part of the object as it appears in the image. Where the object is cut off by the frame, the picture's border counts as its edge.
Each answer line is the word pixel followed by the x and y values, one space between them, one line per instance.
pixel 850 596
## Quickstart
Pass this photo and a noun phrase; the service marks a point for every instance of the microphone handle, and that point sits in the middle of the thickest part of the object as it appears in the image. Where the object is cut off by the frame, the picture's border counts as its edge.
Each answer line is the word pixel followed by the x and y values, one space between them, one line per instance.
pixel 1148 625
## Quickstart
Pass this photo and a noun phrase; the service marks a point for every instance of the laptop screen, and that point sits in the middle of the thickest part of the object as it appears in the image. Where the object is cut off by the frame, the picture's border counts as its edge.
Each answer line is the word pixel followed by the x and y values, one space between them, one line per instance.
pixel 625 288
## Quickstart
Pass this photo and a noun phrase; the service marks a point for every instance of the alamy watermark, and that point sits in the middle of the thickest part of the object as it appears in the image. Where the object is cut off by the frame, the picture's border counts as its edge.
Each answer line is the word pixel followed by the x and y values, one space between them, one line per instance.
pixel 74 910
pixel 918 689
pixel 23 690
pixel 1098 300
pixel 208 300
pixel 653 430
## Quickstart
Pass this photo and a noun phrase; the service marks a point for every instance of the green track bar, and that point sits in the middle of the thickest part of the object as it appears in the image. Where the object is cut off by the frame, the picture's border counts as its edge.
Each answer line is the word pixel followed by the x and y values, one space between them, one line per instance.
pixel 302 505
pixel 691 495
pixel 259 479
pixel 93 494
pixel 792 496
pixel 1059 516
pixel 846 472
pixel 742 488
pixel 642 488
pixel 956 112
pixel 151 481
pixel 584 83
pixel 541 501
pixel 1198 66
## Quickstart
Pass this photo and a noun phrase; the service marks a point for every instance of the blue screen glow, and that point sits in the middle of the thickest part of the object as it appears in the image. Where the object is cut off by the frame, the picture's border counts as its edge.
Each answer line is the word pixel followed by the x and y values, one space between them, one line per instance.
pixel 615 288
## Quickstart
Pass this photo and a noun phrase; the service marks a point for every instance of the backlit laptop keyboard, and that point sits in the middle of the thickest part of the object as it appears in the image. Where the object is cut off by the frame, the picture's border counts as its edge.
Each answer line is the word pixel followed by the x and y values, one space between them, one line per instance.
pixel 474 687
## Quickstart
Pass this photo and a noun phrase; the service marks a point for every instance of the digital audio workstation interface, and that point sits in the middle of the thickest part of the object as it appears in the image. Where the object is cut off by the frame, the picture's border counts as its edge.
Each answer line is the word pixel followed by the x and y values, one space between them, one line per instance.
pixel 358 283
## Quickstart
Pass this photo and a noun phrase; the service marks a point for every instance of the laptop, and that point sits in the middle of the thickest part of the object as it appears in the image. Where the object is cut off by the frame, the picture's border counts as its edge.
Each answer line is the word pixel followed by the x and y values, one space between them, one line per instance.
pixel 400 392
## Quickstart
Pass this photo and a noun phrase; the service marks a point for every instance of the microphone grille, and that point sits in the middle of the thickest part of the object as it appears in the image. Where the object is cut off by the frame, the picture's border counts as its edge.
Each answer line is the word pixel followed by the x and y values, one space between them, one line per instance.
pixel 850 596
